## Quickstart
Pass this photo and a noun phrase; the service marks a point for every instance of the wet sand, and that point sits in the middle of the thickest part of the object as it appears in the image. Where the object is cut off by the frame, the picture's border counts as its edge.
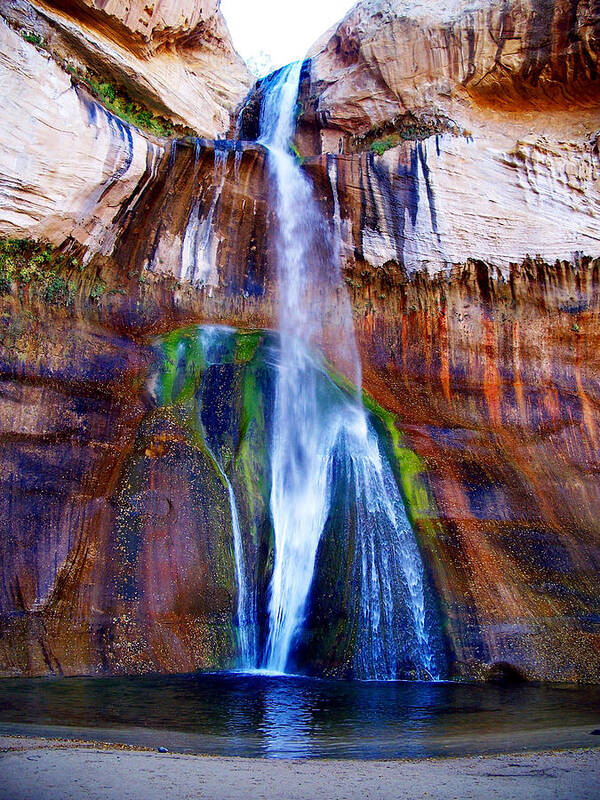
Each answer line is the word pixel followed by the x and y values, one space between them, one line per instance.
pixel 46 769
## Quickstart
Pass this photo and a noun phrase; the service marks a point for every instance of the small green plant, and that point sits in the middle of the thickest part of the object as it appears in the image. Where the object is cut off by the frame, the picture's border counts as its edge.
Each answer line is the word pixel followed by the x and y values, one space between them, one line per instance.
pixel 296 152
pixel 381 146
pixel 353 284
pixel 58 291
pixel 30 265
pixel 97 292
pixel 144 119
pixel 11 259
pixel 33 38
pixel 5 282
pixel 108 92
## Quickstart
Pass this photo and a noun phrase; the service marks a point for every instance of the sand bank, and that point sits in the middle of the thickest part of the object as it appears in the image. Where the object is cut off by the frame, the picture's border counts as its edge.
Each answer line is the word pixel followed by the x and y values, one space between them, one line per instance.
pixel 44 769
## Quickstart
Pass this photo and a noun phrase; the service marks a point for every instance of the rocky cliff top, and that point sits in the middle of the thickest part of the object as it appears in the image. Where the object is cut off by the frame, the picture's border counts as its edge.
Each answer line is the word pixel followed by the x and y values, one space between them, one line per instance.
pixel 154 23
pixel 389 56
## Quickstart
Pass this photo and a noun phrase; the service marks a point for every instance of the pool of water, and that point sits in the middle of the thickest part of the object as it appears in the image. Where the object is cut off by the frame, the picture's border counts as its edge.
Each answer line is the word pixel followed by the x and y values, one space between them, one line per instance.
pixel 297 717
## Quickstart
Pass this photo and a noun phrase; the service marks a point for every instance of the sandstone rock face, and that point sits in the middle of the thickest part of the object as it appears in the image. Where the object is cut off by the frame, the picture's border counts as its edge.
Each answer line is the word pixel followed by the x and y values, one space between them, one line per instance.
pixel 67 164
pixel 470 252
pixel 154 23
pixel 83 174
pixel 500 101
pixel 494 196
pixel 175 58
pixel 390 56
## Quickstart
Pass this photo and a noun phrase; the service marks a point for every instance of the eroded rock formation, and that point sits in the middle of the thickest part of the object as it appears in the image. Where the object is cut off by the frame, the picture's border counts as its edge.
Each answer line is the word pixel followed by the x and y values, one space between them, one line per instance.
pixel 391 56
pixel 466 200
pixel 175 58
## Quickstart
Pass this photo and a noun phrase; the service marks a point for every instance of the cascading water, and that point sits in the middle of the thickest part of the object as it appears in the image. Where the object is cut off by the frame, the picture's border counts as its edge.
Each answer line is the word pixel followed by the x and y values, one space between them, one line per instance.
pixel 329 476
pixel 301 446
pixel 315 424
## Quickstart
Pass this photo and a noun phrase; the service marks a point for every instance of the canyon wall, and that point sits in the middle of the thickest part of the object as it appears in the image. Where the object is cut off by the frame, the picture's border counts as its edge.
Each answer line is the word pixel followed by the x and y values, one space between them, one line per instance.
pixel 466 170
pixel 455 151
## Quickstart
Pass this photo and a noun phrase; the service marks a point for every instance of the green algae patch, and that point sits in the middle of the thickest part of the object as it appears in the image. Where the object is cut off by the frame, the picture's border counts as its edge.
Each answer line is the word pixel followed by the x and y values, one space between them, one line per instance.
pixel 246 345
pixel 178 347
pixel 216 383
pixel 252 456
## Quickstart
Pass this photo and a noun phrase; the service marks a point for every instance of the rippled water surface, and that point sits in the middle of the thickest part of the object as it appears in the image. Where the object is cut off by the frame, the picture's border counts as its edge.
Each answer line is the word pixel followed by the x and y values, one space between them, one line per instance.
pixel 294 717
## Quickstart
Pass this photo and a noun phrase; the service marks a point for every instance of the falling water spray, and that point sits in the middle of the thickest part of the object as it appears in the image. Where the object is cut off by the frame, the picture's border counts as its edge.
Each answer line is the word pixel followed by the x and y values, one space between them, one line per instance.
pixel 313 424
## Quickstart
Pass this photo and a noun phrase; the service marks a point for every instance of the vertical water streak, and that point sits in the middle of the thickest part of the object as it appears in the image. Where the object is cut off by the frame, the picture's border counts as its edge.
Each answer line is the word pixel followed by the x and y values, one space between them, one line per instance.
pixel 212 339
pixel 239 154
pixel 333 181
pixel 392 621
pixel 246 605
pixel 197 256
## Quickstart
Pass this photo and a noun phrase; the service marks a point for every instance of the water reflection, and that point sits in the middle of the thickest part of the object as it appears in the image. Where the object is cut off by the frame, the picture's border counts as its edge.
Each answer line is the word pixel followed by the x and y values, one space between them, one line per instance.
pixel 287 722
pixel 295 717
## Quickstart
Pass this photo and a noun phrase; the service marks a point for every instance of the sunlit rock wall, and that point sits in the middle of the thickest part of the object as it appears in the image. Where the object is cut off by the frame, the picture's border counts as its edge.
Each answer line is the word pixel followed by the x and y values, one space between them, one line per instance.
pixel 67 165
pixel 387 57
pixel 176 58
pixel 427 204
pixel 470 254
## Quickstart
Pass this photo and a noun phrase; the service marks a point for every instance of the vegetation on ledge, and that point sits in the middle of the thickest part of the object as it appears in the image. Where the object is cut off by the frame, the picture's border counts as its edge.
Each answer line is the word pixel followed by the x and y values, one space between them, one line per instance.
pixel 35 269
pixel 25 263
pixel 117 101
pixel 403 128
pixel 113 97
pixel 33 38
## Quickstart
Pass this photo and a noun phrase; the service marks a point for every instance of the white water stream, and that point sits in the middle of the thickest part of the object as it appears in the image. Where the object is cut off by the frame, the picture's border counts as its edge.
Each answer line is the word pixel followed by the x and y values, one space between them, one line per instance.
pixel 311 427
pixel 198 252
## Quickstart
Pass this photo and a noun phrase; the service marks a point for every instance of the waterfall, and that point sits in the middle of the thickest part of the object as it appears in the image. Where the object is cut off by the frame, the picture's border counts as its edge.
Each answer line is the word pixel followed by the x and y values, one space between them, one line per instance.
pixel 315 423
pixel 301 445
pixel 392 616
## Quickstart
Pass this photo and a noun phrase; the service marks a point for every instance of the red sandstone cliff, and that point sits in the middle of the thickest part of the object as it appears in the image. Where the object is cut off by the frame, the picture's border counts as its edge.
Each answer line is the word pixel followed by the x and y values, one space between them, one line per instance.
pixel 470 253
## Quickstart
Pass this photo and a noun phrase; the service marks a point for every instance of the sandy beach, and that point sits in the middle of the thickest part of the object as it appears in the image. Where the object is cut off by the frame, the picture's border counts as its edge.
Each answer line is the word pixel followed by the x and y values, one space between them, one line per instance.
pixel 45 769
